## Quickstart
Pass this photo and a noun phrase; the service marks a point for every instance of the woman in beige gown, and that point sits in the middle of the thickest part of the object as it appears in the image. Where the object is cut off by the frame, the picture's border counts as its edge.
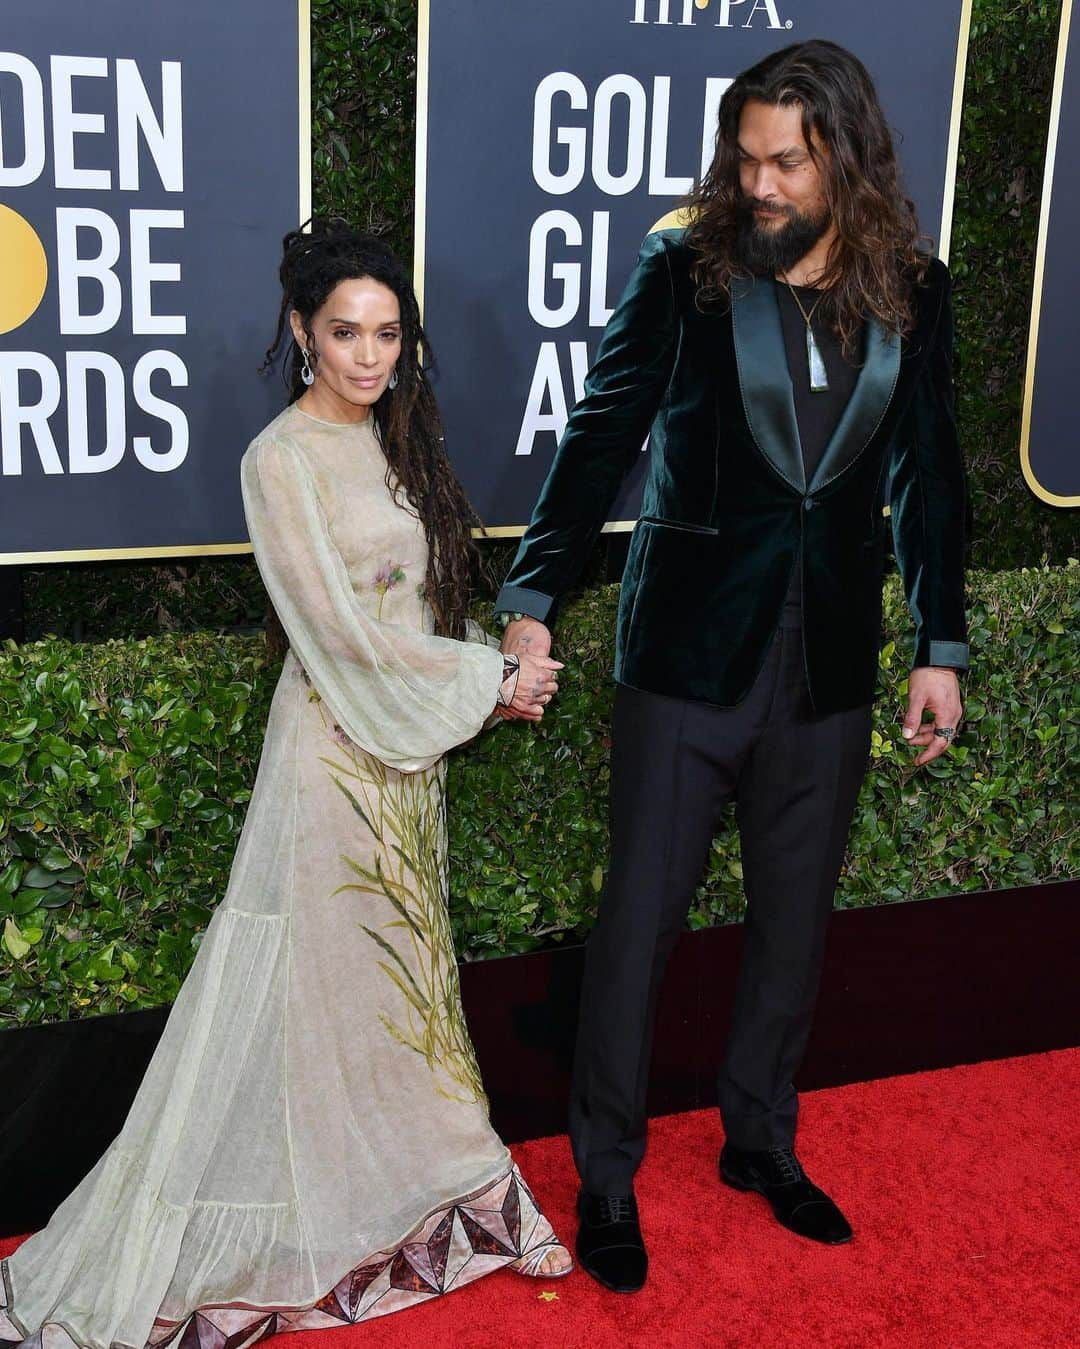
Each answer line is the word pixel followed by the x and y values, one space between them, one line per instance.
pixel 311 1144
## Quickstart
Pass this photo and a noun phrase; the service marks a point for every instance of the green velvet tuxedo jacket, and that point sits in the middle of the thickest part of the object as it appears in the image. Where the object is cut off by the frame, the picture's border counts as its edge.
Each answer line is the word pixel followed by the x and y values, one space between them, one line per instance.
pixel 727 510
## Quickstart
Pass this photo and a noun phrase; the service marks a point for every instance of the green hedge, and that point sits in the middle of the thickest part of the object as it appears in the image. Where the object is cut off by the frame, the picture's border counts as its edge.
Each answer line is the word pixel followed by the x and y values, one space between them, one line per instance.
pixel 125 769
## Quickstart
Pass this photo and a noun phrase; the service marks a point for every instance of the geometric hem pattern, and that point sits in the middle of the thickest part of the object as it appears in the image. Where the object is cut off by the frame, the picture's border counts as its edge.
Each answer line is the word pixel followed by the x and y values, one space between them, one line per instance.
pixel 487 1231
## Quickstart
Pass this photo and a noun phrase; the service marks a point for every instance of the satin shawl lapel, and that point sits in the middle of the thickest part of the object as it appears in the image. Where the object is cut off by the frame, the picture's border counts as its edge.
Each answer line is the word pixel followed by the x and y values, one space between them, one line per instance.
pixel 764 380
pixel 765 384
pixel 873 392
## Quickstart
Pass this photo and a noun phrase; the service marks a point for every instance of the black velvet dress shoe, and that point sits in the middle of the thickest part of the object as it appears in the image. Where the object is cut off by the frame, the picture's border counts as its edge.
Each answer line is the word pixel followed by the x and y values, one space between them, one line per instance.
pixel 797 1202
pixel 609 1241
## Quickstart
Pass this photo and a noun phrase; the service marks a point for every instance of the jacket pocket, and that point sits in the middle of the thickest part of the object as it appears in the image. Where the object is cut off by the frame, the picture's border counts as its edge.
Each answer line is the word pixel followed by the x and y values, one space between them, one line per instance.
pixel 678 524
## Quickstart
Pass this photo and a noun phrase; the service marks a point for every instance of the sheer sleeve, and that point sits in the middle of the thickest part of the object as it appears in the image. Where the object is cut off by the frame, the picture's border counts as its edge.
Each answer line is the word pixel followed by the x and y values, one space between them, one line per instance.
pixel 404 696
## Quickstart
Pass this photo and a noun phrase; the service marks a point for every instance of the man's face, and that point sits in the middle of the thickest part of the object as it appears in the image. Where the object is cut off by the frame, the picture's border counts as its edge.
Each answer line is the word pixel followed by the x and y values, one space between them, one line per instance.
pixel 783 212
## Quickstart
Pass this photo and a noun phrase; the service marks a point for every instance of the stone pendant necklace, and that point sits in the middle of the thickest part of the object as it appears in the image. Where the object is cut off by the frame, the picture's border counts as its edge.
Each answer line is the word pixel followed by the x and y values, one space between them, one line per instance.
pixel 819 376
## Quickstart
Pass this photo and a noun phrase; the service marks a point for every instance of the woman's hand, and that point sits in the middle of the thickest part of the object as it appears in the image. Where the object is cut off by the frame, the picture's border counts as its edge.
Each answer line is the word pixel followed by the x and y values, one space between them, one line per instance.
pixel 533 687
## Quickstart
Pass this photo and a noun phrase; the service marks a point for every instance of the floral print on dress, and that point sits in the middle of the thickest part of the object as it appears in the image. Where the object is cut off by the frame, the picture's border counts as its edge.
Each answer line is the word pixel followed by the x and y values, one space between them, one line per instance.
pixel 337 731
pixel 386 578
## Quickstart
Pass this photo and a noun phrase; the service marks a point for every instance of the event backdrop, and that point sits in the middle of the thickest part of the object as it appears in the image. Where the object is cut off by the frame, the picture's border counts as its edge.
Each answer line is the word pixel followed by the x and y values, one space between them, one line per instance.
pixel 151 158
pixel 1050 431
pixel 551 138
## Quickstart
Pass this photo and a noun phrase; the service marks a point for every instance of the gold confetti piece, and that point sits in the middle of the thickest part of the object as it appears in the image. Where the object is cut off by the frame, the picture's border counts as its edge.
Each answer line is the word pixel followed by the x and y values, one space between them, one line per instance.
pixel 548 1297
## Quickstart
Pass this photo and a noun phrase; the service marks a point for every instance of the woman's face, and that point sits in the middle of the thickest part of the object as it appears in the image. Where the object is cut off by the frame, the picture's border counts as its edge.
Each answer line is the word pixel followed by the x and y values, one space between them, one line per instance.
pixel 355 341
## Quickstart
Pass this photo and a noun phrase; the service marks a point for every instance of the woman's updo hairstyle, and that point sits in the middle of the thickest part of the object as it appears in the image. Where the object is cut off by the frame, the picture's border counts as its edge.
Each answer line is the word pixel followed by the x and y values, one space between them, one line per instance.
pixel 314 261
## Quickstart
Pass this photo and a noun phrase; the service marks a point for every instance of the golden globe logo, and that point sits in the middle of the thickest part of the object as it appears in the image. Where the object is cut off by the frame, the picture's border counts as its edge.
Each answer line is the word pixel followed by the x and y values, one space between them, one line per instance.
pixel 24 270
pixel 730 13
pixel 107 264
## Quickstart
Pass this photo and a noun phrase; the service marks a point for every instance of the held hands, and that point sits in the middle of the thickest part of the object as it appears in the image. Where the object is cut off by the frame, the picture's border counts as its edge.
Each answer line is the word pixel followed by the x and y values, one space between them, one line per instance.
pixel 937 691
pixel 537 679
pixel 526 637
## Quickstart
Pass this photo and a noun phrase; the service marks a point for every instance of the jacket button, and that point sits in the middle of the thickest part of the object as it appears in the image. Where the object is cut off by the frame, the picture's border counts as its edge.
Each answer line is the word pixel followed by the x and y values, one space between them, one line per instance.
pixel 808 504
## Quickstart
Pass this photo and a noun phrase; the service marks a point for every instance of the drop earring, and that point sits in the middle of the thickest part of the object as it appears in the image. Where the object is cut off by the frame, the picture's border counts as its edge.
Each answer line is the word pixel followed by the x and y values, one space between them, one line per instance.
pixel 306 372
pixel 391 383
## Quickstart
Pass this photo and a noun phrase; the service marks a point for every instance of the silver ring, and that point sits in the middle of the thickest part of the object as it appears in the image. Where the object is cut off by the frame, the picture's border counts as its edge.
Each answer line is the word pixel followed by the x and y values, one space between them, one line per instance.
pixel 945 732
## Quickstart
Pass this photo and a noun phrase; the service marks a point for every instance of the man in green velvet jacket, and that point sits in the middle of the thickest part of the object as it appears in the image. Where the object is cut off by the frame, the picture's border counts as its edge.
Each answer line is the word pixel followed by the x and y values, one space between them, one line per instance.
pixel 789 354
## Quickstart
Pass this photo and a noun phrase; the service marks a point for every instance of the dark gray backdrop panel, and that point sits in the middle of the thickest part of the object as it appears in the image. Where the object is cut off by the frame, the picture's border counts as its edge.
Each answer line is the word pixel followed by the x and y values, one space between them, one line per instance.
pixel 1053 453
pixel 241 193
pixel 486 59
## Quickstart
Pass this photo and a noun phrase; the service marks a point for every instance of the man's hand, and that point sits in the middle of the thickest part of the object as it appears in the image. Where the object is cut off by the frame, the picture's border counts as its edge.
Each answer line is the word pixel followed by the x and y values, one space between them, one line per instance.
pixel 937 691
pixel 526 637
pixel 534 686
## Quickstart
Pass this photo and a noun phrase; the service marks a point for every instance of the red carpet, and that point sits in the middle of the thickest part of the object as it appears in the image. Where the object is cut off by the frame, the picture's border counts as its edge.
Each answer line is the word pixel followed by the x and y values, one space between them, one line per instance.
pixel 961 1186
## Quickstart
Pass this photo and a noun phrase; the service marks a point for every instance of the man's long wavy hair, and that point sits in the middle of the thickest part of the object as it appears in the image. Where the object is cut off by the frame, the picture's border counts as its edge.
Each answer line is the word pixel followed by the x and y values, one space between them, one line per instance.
pixel 879 255
pixel 406 418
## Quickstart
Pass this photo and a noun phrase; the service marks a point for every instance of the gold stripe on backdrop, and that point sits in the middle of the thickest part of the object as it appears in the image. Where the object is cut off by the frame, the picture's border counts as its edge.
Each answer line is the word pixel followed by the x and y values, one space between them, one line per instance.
pixel 127 554
pixel 1051 498
pixel 304 84
pixel 423 29
pixel 516 531
pixel 952 155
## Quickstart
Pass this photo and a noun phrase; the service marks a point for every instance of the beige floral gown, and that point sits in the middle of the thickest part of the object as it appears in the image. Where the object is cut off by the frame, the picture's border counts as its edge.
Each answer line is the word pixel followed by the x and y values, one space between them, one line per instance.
pixel 311 1144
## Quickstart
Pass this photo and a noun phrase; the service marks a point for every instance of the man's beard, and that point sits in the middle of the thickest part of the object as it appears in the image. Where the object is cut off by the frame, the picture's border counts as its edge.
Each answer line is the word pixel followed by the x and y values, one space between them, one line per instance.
pixel 765 250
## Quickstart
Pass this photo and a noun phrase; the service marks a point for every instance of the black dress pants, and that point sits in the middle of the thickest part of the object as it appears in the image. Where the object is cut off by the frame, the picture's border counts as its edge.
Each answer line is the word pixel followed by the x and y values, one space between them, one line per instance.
pixel 794 777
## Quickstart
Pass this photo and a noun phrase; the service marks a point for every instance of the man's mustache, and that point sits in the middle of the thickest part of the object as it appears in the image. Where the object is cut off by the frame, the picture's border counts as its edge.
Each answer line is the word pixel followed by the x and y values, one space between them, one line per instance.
pixel 754 207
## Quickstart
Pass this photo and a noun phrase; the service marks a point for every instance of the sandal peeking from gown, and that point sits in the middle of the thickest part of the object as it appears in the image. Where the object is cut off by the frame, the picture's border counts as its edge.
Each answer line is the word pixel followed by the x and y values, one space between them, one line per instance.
pixel 549 1262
